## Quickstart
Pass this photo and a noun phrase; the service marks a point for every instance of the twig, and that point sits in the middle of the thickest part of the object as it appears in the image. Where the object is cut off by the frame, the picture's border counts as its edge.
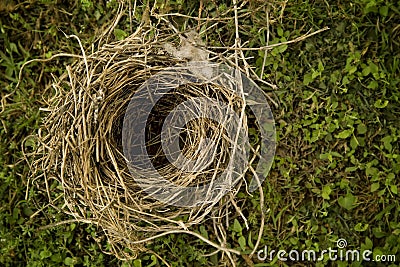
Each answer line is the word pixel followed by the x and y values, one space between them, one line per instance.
pixel 42 60
pixel 186 232
pixel 298 39
pixel 266 51
pixel 65 222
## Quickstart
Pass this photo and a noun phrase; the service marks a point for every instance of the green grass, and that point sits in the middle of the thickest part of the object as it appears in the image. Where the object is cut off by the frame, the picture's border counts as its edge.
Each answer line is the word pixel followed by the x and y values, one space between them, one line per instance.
pixel 337 165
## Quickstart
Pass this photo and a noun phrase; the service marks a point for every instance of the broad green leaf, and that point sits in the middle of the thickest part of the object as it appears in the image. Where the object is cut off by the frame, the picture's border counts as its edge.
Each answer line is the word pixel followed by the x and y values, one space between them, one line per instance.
pixel 352 69
pixel 307 79
pixel 351 169
pixel 27 211
pixel 374 187
pixel 326 191
pixel 393 188
pixel 154 261
pixel 396 232
pixel 382 192
pixel 120 34
pixel 390 176
pixel 336 154
pixel 373 67
pixel 203 231
pixel 360 227
pixel 384 10
pixel 368 243
pixel 373 85
pixel 320 66
pixel 381 104
pixel 236 226
pixel 44 254
pixel 344 134
pixel 242 242
pixel 326 156
pixel 249 241
pixel 57 258
pixel 347 201
pixel 97 15
pixel 280 31
pixel 354 142
pixel 361 128
pixel 378 233
pixel 69 261
pixel 371 171
pixel 387 143
pixel 385 212
pixel 315 74
pixel 282 48
pixel 366 71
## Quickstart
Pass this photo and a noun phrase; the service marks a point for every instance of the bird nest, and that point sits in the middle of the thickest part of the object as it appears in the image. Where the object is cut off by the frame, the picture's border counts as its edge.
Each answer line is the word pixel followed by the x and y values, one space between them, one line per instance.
pixel 147 141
